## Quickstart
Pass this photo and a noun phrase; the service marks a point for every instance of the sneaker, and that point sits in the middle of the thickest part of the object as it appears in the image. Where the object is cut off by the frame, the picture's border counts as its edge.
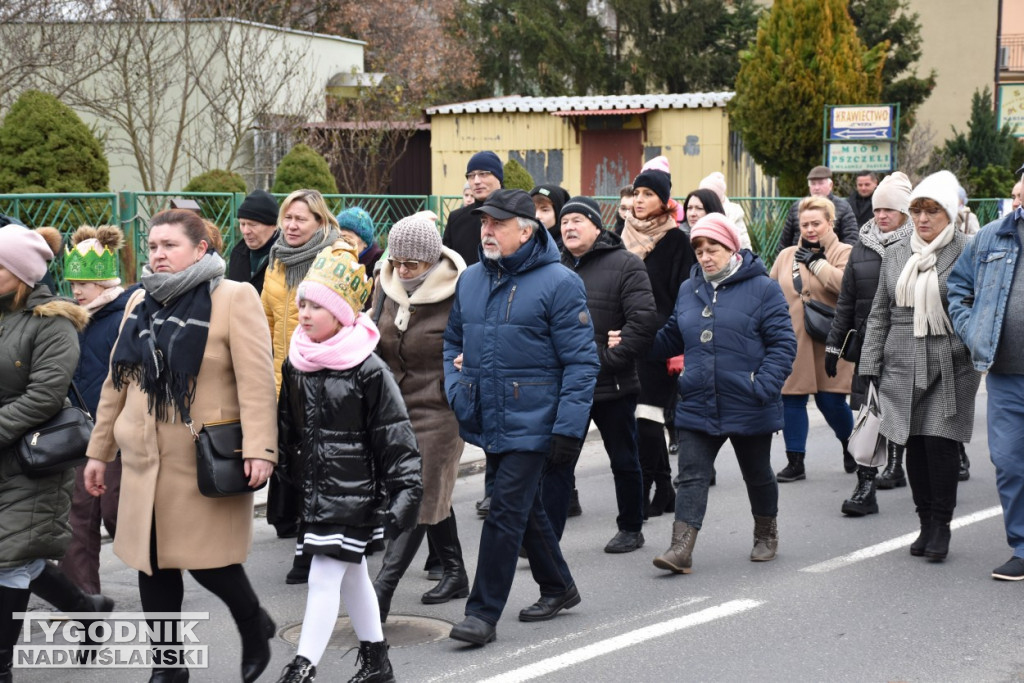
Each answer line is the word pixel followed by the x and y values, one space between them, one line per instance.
pixel 1012 570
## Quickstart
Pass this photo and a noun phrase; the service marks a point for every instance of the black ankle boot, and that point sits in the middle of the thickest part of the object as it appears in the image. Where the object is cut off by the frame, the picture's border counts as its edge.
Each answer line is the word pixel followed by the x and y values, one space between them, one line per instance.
pixel 893 475
pixel 664 498
pixel 917 547
pixel 575 509
pixel 454 582
pixel 794 471
pixel 256 633
pixel 938 542
pixel 299 573
pixel 862 502
pixel 299 670
pixel 177 675
pixel 965 464
pixel 397 557
pixel 376 667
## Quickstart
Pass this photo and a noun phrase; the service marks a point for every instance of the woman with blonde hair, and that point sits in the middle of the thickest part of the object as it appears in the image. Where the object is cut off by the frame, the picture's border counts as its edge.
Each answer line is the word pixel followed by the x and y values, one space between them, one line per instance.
pixel 306 227
pixel 813 271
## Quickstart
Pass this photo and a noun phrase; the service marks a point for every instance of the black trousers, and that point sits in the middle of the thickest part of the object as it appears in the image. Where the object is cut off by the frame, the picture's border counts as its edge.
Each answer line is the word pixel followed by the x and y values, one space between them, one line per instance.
pixel 933 468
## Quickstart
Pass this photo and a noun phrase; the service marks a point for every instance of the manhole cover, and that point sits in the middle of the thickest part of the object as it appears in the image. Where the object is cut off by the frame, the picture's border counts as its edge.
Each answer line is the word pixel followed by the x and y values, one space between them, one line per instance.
pixel 400 631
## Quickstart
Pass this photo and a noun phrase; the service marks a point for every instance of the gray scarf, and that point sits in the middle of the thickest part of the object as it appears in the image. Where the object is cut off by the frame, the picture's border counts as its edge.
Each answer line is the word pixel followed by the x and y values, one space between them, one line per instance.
pixel 872 237
pixel 297 260
pixel 413 283
pixel 166 287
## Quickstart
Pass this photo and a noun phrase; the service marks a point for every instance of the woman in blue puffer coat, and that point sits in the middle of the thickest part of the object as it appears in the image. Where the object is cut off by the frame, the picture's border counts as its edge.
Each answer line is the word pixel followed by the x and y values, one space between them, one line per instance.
pixel 732 322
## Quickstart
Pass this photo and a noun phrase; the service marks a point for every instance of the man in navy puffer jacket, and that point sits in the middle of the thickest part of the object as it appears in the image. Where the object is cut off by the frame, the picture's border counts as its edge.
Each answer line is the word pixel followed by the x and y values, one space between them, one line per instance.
pixel 520 367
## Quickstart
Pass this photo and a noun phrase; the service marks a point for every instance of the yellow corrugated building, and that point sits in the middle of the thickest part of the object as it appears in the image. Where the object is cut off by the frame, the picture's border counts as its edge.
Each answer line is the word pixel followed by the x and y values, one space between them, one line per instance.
pixel 594 145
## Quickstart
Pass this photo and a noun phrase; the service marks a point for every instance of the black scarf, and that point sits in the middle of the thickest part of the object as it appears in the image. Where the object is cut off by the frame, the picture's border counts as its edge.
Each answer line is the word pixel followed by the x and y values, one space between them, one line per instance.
pixel 161 346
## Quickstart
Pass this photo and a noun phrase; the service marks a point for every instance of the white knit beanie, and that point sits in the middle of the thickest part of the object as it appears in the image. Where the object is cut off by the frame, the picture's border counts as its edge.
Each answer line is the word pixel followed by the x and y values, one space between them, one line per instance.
pixel 893 193
pixel 941 187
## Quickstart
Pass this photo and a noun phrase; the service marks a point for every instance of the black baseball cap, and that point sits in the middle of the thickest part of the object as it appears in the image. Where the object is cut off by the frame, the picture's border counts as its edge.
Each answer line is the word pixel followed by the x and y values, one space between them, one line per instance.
pixel 505 204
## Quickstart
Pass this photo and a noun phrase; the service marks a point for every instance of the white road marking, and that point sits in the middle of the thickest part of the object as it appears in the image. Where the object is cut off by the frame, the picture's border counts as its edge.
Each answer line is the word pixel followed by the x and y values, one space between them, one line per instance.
pixel 604 647
pixel 895 543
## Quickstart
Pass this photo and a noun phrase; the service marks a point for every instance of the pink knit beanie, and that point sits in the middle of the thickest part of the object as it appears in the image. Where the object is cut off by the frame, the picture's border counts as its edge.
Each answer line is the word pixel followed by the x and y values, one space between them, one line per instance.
pixel 657 164
pixel 717 227
pixel 24 252
pixel 714 182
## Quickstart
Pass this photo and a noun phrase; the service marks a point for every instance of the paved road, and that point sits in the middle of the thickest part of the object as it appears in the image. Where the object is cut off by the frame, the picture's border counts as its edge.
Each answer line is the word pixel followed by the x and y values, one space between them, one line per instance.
pixel 844 601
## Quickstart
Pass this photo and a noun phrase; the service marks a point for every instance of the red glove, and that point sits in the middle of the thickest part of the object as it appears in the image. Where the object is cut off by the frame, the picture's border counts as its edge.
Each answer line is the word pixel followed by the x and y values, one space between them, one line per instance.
pixel 675 365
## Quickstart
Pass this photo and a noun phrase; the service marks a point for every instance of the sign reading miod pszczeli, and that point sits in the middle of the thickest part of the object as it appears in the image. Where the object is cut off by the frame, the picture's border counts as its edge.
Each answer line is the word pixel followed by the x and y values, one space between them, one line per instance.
pixel 860 137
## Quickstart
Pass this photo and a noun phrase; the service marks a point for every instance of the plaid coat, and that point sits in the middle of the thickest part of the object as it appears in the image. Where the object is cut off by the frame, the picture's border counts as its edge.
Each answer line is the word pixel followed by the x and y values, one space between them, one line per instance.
pixel 928 384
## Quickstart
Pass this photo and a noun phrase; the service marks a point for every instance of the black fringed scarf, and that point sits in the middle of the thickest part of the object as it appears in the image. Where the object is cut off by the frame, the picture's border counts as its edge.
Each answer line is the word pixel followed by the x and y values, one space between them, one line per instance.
pixel 161 346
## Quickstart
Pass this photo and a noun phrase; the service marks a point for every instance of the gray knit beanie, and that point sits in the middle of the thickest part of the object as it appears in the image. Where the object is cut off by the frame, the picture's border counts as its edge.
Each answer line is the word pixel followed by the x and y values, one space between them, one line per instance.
pixel 415 238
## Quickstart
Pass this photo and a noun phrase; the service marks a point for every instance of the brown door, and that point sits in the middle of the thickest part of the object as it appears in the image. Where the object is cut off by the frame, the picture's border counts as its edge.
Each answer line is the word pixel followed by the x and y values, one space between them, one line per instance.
pixel 610 159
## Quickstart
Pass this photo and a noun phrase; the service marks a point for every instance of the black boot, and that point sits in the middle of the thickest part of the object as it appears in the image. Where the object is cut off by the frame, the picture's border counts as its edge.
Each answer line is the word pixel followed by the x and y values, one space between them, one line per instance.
pixel 849 464
pixel 176 675
pixel 454 582
pixel 58 590
pixel 376 667
pixel 892 476
pixel 299 670
pixel 664 498
pixel 794 471
pixel 937 547
pixel 862 502
pixel 575 509
pixel 11 600
pixel 256 633
pixel 965 464
pixel 399 555
pixel 299 573
pixel 917 547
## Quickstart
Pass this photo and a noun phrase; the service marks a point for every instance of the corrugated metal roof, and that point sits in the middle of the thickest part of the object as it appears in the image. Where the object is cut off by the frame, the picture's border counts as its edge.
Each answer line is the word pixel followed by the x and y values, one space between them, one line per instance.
pixel 602 112
pixel 519 103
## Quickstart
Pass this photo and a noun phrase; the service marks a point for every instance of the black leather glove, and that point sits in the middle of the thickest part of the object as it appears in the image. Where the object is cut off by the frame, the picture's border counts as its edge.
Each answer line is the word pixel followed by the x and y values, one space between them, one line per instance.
pixel 831 363
pixel 564 449
pixel 808 256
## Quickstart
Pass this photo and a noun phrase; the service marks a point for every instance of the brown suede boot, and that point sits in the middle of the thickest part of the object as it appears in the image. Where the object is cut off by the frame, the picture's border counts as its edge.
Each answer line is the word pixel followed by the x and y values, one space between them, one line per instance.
pixel 766 539
pixel 678 558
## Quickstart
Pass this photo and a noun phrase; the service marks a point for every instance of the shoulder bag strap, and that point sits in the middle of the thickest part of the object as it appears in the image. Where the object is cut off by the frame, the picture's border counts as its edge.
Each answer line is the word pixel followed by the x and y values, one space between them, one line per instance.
pixel 78 397
pixel 798 283
pixel 379 307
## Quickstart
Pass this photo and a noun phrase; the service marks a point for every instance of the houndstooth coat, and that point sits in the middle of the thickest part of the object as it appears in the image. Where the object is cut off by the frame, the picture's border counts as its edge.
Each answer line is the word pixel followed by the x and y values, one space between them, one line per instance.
pixel 928 384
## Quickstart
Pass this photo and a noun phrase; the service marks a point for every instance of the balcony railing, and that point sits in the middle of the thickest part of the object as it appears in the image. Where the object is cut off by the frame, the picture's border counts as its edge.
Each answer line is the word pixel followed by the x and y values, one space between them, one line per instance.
pixel 1011 52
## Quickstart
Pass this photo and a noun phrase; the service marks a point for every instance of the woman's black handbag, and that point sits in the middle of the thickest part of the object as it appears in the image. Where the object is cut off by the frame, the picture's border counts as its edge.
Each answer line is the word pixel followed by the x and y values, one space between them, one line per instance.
pixel 57 444
pixel 220 468
pixel 818 317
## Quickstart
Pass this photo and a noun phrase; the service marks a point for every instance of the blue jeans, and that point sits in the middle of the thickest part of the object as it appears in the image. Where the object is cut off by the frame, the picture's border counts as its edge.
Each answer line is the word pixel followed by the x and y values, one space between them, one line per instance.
pixel 833 406
pixel 517 518
pixel 616 420
pixel 1006 448
pixel 697 453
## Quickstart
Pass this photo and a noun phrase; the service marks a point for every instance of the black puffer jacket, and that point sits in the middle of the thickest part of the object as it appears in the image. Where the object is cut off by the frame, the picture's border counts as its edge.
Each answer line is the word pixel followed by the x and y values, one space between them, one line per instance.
pixel 619 298
pixel 346 443
pixel 462 233
pixel 860 281
pixel 845 224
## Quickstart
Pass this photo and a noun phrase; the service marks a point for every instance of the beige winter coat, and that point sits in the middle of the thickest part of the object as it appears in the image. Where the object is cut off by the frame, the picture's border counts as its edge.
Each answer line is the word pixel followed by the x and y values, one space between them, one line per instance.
pixel 808 376
pixel 415 357
pixel 236 380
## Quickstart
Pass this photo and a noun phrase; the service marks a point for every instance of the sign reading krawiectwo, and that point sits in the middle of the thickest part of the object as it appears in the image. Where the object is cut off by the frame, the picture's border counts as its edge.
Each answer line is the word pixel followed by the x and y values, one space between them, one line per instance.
pixel 860 137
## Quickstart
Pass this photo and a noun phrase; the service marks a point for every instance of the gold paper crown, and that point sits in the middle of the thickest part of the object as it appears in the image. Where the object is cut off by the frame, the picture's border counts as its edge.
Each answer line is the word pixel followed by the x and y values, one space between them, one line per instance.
pixel 90 261
pixel 339 270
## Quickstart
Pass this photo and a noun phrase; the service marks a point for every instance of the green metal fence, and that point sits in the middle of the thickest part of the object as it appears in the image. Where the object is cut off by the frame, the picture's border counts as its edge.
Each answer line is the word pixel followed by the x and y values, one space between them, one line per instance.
pixel 765 216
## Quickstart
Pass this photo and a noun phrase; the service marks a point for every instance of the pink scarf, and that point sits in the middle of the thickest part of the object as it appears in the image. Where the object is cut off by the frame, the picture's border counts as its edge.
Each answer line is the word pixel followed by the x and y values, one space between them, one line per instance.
pixel 348 348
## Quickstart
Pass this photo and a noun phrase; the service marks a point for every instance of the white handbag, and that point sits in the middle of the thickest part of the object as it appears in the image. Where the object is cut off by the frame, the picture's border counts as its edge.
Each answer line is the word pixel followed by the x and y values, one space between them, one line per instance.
pixel 866 445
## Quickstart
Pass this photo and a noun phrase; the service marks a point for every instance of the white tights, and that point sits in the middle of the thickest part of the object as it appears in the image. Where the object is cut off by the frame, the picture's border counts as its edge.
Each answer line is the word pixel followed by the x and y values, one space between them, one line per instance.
pixel 329 581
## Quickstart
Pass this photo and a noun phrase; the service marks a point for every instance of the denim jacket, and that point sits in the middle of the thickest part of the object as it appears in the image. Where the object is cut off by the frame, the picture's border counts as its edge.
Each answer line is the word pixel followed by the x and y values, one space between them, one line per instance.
pixel 979 285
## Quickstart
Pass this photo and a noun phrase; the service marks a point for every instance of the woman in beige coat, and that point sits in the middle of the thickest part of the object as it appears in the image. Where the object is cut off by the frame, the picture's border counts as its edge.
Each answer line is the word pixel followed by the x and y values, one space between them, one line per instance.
pixel 217 366
pixel 412 301
pixel 813 270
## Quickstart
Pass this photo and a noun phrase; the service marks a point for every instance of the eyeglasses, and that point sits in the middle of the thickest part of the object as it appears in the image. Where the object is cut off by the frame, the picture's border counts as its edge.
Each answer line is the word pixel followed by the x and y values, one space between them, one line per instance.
pixel 483 175
pixel 408 265
pixel 931 211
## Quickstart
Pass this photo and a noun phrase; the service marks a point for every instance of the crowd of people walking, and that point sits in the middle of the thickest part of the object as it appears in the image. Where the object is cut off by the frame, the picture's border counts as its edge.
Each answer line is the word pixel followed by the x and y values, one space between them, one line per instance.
pixel 358 368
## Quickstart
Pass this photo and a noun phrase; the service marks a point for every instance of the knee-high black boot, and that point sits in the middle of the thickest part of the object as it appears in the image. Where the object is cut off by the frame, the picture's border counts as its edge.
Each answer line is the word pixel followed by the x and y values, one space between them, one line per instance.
pixel 397 558
pixel 11 600
pixel 58 590
pixel 454 582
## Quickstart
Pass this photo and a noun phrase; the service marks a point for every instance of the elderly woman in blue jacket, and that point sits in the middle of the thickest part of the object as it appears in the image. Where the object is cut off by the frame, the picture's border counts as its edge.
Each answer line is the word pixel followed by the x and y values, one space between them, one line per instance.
pixel 732 322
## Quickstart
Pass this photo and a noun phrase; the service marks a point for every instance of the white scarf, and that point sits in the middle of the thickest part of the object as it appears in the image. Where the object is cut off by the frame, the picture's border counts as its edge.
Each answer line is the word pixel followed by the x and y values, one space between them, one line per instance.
pixel 918 285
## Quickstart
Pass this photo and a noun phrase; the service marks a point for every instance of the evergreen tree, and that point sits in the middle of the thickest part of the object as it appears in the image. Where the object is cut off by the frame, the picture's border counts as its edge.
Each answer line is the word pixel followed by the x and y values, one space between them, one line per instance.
pixel 986 152
pixel 880 21
pixel 45 147
pixel 217 180
pixel 538 47
pixel 682 46
pixel 516 176
pixel 807 55
pixel 303 168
